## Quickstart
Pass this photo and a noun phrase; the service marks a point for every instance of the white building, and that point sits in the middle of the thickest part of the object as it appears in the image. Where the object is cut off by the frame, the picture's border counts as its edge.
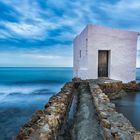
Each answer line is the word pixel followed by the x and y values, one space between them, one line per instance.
pixel 105 52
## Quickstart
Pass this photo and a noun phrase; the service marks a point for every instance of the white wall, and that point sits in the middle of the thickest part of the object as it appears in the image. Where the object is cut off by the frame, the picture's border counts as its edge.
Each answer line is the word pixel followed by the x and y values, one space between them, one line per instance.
pixel 122 45
pixel 80 64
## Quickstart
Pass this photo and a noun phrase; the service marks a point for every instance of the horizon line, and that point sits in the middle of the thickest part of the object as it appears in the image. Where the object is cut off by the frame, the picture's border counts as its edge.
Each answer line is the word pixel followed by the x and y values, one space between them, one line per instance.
pixel 41 67
pixel 36 67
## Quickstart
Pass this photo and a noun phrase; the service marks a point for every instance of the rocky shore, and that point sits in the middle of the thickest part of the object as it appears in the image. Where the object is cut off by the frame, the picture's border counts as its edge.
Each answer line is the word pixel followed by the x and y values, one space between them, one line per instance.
pixel 95 116
pixel 131 86
pixel 115 125
pixel 46 124
pixel 116 89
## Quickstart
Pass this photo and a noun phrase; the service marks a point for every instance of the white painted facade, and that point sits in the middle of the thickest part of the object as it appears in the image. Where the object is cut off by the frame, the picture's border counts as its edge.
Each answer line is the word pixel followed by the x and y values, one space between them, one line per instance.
pixel 122 47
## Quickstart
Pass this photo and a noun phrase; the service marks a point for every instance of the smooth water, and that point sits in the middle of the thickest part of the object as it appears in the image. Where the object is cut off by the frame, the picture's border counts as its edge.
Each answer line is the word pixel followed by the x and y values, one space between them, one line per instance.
pixel 130 106
pixel 25 90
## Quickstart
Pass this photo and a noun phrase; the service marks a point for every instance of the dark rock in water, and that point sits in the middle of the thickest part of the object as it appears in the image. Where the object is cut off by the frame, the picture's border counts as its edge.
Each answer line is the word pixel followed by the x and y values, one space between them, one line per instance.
pixel 120 94
pixel 111 87
pixel 114 90
pixel 131 86
pixel 117 89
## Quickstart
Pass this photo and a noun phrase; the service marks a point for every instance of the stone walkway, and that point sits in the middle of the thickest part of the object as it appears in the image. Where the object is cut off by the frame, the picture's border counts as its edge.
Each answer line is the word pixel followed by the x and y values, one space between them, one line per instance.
pixel 86 126
pixel 71 114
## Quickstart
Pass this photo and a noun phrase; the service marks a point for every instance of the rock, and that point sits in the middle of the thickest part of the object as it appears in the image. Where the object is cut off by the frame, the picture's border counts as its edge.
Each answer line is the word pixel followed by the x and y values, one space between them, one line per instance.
pixel 107 134
pixel 106 123
pixel 131 86
pixel 45 124
pixel 120 94
pixel 112 87
pixel 137 136
pixel 103 115
pixel 115 125
pixel 114 130
pixel 45 136
pixel 45 128
pixel 117 137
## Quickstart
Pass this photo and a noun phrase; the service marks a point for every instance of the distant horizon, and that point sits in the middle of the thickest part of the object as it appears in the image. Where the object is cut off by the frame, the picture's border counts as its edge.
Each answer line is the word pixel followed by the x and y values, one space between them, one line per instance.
pixel 43 67
pixel 37 67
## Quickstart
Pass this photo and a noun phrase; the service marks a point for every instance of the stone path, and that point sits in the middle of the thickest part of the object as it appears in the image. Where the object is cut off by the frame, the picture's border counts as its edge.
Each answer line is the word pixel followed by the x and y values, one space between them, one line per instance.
pixel 86 126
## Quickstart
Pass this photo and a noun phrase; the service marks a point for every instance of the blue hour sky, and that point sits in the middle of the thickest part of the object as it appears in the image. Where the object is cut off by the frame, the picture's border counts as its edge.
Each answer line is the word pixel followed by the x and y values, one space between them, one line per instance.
pixel 40 32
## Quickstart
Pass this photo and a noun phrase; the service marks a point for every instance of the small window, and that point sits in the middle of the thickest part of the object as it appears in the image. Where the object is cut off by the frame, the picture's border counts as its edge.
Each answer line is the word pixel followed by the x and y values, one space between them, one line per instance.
pixel 80 53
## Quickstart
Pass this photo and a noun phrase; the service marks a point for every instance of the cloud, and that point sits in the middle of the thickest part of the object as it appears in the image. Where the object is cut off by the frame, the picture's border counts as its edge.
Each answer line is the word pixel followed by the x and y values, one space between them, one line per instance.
pixel 25 30
pixel 36 20
pixel 46 28
pixel 122 14
pixel 15 59
pixel 8 13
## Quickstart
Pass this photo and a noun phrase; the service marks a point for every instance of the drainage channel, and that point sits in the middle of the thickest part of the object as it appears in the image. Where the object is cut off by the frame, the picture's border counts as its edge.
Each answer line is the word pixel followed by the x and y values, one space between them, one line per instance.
pixel 86 125
pixel 67 128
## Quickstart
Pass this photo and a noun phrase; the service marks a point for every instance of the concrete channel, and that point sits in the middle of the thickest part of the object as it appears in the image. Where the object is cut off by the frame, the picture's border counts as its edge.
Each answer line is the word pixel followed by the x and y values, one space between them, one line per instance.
pixel 86 125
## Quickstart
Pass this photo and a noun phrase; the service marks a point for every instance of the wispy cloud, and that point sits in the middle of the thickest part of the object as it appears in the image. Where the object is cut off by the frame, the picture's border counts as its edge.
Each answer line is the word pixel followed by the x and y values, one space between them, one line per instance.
pixel 46 28
pixel 34 59
pixel 123 14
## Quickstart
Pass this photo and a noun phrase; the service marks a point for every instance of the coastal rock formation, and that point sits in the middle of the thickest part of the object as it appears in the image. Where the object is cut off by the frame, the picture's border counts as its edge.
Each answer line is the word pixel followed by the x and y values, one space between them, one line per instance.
pixel 131 86
pixel 45 124
pixel 95 118
pixel 115 125
pixel 113 90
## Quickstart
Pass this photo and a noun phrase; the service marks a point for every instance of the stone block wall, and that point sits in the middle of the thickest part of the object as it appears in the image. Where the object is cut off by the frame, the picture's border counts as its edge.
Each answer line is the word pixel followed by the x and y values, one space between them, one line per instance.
pixel 46 124
pixel 115 125
pixel 131 86
pixel 113 90
pixel 118 89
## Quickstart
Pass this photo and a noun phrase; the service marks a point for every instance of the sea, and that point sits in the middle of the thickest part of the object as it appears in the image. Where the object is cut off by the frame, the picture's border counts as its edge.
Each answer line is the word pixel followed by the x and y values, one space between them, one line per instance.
pixel 25 90
pixel 129 105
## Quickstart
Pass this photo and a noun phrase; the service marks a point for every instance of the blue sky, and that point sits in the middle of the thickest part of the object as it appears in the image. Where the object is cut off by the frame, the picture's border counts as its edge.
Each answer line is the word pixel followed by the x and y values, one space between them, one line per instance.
pixel 40 32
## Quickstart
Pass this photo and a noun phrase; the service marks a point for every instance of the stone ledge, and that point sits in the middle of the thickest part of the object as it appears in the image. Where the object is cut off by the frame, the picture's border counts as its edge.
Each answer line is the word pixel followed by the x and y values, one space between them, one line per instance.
pixel 131 86
pixel 118 89
pixel 115 125
pixel 46 124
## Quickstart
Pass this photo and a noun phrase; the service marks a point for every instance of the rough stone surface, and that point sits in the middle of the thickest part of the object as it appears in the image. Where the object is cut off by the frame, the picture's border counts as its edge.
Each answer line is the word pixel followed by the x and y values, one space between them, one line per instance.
pixel 96 116
pixel 46 124
pixel 112 89
pixel 131 86
pixel 115 125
